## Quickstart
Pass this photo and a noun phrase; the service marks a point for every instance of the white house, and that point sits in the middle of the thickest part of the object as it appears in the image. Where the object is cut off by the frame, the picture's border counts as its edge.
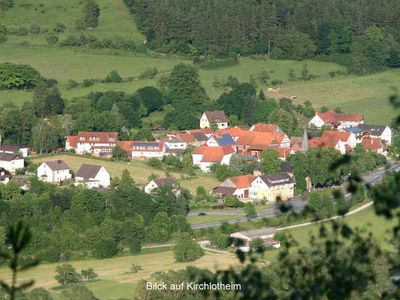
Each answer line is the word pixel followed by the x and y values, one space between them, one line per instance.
pixel 11 161
pixel 204 157
pixel 24 151
pixel 160 182
pixel 54 171
pixel 216 117
pixel 377 131
pixel 95 143
pixel 270 187
pixel 5 176
pixel 241 184
pixel 93 176
pixel 335 120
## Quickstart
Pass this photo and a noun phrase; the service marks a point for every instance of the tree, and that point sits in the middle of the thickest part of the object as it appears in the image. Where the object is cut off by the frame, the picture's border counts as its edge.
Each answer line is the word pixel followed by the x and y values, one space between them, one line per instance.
pixel 113 76
pixel 44 137
pixel 80 292
pixel 47 100
pixel 160 228
pixel 105 248
pixel 118 153
pixel 270 162
pixel 13 76
pixel 250 210
pixel 284 119
pixel 186 249
pixel 39 294
pixel 321 203
pixel 18 239
pixel 66 275
pixel 89 274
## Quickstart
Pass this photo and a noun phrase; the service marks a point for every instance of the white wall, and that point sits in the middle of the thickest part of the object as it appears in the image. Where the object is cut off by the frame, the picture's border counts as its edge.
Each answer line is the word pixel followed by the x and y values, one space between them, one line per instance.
pixel 13 165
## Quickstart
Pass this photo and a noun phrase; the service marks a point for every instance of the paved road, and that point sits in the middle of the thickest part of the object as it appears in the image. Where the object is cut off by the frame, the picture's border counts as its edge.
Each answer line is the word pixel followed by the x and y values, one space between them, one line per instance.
pixel 298 203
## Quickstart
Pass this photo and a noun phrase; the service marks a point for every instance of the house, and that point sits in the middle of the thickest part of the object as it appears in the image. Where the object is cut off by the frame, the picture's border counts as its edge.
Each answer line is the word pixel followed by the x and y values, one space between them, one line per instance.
pixel 347 137
pixel 373 144
pixel 204 156
pixel 253 143
pixel 11 161
pixel 271 187
pixel 55 171
pixel 95 143
pixel 235 132
pixel 213 117
pixel 5 176
pixel 93 176
pixel 143 149
pixel 160 182
pixel 261 127
pixel 319 142
pixel 240 184
pixel 247 236
pixel 335 120
pixel 219 140
pixel 24 151
pixel 377 131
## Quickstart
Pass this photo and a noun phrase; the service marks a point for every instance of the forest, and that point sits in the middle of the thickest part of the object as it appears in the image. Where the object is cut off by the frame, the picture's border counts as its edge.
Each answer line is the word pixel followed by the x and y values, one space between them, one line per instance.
pixel 280 28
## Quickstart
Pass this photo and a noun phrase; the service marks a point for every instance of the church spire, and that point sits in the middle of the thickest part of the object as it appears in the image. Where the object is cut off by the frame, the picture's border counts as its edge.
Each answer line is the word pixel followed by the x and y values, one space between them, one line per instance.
pixel 304 142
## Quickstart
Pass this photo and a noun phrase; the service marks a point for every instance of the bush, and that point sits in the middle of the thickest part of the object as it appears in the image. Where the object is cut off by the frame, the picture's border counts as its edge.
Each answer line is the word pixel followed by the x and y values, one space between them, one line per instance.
pixel 113 76
pixel 13 76
pixel 136 268
pixel 149 73
pixel 276 82
pixel 279 236
pixel 88 82
pixel 72 84
pixel 105 248
pixel 186 249
pixel 154 163
pixel 59 27
pixel 135 246
pixel 34 29
pixel 67 275
pixel 51 39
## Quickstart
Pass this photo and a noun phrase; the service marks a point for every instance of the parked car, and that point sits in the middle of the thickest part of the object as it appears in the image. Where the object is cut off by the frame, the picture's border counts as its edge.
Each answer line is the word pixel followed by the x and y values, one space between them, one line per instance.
pixel 202 213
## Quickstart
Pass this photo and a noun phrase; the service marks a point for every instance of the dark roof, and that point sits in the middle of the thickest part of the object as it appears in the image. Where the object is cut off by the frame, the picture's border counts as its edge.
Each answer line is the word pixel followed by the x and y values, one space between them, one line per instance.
pixel 11 148
pixel 8 156
pixel 225 139
pixel 57 165
pixel 372 129
pixel 224 190
pixel 4 173
pixel 286 167
pixel 216 116
pixel 277 179
pixel 199 136
pixel 87 171
pixel 165 180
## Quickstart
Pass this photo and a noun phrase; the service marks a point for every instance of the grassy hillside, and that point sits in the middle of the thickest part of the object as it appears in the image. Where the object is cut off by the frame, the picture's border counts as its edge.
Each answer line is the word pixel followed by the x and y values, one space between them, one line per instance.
pixel 138 170
pixel 115 279
pixel 367 94
pixel 114 19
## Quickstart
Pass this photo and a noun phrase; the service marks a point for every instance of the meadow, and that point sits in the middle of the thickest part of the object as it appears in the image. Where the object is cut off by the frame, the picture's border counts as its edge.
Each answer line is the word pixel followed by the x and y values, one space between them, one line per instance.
pixel 355 94
pixel 115 279
pixel 137 169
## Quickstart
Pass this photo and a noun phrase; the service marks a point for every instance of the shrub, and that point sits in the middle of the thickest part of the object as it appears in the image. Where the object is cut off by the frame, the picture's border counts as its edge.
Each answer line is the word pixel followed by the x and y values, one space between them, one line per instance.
pixel 154 162
pixel 34 29
pixel 276 82
pixel 3 38
pixel 51 39
pixel 67 275
pixel 105 248
pixel 13 76
pixel 72 84
pixel 59 27
pixel 89 274
pixel 88 82
pixel 149 73
pixel 113 76
pixel 136 268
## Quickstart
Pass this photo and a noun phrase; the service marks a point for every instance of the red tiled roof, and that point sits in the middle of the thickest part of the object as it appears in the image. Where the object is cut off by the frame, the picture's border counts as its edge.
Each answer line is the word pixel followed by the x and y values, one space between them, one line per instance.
pixel 334 117
pixel 213 154
pixel 204 130
pixel 235 131
pixel 341 135
pixel 265 127
pixel 72 140
pixel 243 181
pixel 186 137
pixel 98 137
pixel 372 144
pixel 256 140
pixel 322 143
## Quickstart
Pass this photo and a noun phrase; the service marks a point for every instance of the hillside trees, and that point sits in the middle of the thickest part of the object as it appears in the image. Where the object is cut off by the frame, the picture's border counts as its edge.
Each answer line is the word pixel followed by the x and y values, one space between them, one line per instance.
pixel 270 162
pixel 186 249
pixel 91 13
pixel 47 100
pixel 13 76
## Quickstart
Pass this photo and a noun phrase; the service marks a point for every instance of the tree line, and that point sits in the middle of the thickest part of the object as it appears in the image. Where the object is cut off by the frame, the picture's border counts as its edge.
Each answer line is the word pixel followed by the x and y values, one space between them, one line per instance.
pixel 279 28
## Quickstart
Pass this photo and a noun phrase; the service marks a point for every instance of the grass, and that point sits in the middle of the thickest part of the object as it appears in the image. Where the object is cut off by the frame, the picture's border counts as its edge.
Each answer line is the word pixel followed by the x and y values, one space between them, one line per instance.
pixel 138 170
pixel 212 218
pixel 115 278
pixel 367 94
pixel 114 19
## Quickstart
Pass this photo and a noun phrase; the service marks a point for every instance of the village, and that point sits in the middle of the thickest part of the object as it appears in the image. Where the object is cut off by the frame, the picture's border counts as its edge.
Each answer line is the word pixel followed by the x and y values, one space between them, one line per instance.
pixel 214 143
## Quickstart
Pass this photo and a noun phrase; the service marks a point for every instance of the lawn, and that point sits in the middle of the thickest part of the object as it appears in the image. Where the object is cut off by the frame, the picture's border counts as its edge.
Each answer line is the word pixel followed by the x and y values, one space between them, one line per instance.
pixel 114 19
pixel 362 94
pixel 115 278
pixel 138 170
pixel 212 218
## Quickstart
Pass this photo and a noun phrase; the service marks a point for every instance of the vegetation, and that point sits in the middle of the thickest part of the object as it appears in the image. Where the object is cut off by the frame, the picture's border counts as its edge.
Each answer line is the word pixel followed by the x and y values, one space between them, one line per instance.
pixel 186 249
pixel 18 76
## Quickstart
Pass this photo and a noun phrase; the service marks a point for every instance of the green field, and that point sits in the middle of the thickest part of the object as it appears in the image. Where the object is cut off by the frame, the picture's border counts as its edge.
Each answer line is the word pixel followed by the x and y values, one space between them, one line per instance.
pixel 47 13
pixel 138 170
pixel 115 279
pixel 367 95
pixel 212 218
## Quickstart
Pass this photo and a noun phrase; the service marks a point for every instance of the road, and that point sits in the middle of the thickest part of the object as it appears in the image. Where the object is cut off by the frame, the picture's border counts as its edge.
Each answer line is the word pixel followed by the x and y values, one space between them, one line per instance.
pixel 298 203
